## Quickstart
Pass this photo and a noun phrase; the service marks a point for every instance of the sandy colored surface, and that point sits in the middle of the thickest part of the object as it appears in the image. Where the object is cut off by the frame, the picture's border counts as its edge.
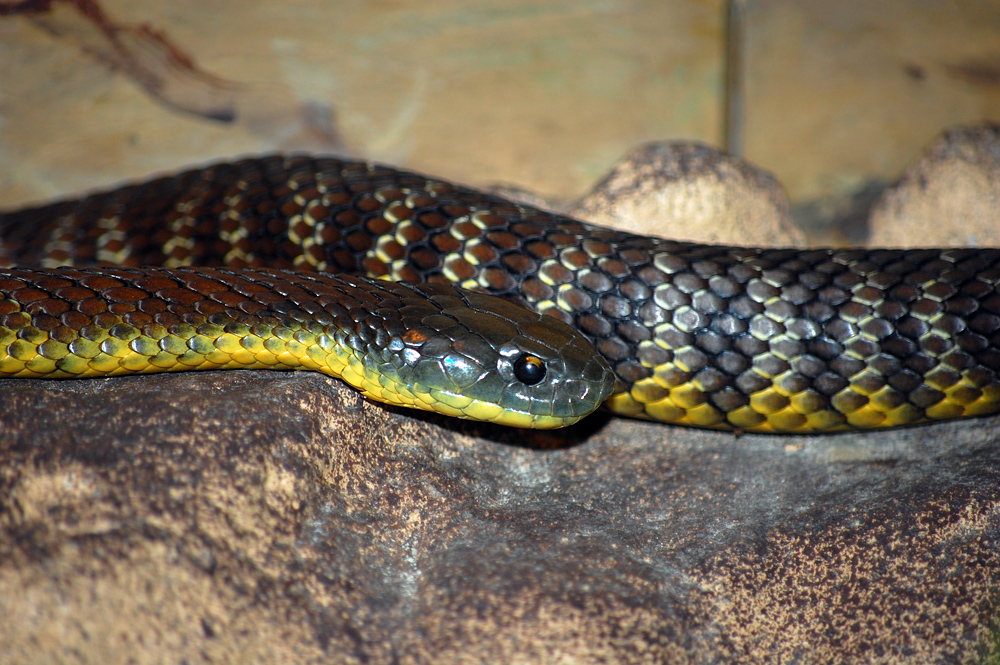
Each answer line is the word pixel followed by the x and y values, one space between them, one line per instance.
pixel 691 191
pixel 841 97
pixel 541 94
pixel 951 193
pixel 275 517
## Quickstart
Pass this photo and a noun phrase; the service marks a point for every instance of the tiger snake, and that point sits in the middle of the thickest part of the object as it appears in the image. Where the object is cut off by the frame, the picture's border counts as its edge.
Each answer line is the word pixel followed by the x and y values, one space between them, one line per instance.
pixel 478 307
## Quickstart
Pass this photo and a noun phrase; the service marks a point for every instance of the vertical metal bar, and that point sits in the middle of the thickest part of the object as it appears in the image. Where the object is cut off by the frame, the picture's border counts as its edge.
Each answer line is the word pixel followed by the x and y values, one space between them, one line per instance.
pixel 735 35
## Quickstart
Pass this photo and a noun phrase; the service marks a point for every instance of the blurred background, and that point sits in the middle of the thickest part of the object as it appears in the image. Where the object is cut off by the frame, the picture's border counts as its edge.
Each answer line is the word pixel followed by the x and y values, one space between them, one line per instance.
pixel 834 98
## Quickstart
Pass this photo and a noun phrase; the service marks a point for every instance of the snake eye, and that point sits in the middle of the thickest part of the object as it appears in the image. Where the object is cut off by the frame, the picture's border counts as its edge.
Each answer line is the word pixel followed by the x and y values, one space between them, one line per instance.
pixel 529 369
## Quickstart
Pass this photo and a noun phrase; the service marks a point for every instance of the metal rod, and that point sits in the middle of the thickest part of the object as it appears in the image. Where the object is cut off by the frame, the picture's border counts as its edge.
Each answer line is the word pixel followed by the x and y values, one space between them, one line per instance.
pixel 732 130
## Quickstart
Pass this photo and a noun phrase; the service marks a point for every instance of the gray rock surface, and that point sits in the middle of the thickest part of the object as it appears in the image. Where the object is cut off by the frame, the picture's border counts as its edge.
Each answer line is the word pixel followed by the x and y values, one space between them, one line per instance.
pixel 278 517
pixel 950 196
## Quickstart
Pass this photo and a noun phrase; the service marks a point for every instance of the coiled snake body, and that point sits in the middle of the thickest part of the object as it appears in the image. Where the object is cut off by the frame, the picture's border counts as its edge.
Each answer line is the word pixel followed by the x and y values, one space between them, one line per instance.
pixel 714 336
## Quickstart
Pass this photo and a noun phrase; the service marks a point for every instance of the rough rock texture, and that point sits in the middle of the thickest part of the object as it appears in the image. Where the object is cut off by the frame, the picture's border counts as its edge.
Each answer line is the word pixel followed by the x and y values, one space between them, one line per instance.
pixel 950 196
pixel 277 517
pixel 691 191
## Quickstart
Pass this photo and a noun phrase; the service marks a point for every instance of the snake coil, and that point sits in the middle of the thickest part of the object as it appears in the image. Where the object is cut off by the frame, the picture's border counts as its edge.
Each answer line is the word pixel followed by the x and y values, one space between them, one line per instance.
pixel 723 337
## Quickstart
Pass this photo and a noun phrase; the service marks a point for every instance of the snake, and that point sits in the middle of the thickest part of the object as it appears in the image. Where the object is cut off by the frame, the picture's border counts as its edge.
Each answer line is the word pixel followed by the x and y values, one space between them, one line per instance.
pixel 508 313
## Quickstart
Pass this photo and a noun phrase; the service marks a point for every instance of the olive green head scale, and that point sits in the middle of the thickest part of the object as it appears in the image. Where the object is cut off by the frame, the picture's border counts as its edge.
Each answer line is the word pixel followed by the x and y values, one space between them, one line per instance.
pixel 431 347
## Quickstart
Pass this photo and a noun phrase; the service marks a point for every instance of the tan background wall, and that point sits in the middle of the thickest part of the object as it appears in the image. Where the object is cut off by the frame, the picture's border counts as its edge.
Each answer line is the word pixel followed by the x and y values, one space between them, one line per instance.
pixel 545 95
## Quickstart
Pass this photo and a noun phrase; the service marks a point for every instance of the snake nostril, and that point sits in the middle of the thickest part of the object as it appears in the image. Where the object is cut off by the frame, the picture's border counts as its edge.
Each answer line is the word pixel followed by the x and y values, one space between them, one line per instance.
pixel 529 369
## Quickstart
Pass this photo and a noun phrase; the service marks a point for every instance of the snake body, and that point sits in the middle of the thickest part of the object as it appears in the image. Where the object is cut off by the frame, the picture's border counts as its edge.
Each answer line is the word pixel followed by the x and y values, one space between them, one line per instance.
pixel 713 336
pixel 426 346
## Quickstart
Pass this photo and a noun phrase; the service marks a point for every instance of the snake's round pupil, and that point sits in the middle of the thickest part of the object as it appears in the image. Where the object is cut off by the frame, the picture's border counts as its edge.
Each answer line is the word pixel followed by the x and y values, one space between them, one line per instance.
pixel 529 369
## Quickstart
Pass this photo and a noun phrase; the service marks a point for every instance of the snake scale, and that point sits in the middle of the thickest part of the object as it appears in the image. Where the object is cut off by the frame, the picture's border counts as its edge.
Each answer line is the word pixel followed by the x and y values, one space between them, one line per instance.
pixel 757 339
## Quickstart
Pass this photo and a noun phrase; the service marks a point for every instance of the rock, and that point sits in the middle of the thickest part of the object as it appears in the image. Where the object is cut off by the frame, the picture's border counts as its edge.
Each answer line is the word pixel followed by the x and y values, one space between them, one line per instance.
pixel 278 517
pixel 522 196
pixel 691 191
pixel 949 197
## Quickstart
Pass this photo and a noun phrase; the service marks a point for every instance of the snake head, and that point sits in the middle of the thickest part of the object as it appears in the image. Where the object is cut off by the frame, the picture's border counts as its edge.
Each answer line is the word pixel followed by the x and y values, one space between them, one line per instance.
pixel 480 357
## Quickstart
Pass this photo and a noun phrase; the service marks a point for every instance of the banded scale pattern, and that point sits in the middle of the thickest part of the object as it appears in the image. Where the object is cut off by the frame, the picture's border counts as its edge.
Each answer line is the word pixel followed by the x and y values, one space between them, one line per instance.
pixel 427 346
pixel 724 337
